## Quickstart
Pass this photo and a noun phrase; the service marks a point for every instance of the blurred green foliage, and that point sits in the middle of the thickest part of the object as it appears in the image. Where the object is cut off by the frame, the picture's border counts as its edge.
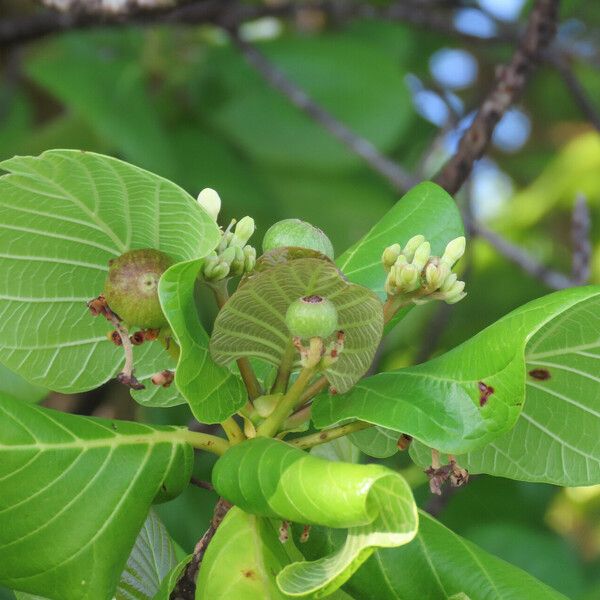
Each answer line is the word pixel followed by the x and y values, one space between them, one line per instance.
pixel 184 104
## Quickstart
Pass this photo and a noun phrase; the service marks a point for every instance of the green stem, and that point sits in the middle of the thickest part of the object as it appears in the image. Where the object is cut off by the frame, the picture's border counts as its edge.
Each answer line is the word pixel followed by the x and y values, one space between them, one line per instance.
pixel 322 437
pixel 285 370
pixel 204 441
pixel 297 418
pixel 233 432
pixel 288 402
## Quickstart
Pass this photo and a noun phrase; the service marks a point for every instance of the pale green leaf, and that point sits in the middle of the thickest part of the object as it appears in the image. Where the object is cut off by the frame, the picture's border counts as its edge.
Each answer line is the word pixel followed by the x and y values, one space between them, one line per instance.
pixel 151 560
pixel 213 392
pixel 269 478
pixel 376 441
pixel 75 493
pixel 440 564
pixel 441 402
pixel 242 559
pixel 253 320
pixel 63 216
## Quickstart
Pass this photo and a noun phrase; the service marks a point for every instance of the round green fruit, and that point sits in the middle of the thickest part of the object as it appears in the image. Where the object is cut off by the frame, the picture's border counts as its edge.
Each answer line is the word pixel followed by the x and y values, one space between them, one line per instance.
pixel 297 233
pixel 311 316
pixel 131 288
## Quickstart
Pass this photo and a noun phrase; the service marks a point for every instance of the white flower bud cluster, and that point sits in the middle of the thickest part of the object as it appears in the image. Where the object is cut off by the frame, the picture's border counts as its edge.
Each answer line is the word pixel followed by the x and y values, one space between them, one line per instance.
pixel 233 256
pixel 420 277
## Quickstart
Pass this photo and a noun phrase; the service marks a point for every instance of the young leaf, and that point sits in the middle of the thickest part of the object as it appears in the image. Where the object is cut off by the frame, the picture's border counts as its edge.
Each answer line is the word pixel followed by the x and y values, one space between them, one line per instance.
pixel 213 392
pixel 376 441
pixel 555 439
pixel 441 564
pixel 76 491
pixel 242 559
pixel 15 386
pixel 253 320
pixel 465 398
pixel 269 478
pixel 426 209
pixel 170 580
pixel 63 216
pixel 150 561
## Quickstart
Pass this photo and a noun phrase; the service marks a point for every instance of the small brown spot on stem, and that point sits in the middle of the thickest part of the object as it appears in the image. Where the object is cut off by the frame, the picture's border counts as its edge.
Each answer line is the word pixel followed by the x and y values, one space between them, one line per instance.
pixel 540 374
pixel 485 391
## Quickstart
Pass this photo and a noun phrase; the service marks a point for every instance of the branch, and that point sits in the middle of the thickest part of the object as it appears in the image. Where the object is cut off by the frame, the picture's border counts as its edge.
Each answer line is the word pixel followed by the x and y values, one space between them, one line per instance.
pixel 359 146
pixel 582 246
pixel 510 83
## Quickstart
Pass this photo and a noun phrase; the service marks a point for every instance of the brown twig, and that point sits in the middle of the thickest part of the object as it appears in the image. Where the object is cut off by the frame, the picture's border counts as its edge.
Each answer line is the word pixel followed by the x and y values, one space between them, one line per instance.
pixel 580 237
pixel 185 588
pixel 205 485
pixel 509 86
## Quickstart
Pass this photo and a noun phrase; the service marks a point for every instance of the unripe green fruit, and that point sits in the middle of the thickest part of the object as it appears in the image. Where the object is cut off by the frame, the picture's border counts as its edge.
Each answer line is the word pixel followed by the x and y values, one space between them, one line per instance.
pixel 131 288
pixel 311 316
pixel 293 232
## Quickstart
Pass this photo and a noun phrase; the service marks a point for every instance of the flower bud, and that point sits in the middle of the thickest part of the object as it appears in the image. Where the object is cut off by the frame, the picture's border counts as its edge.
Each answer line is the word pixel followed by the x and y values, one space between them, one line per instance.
pixel 243 231
pixel 412 245
pixel 448 282
pixel 210 201
pixel 422 254
pixel 390 256
pixel 454 250
pixel 237 264
pixel 249 259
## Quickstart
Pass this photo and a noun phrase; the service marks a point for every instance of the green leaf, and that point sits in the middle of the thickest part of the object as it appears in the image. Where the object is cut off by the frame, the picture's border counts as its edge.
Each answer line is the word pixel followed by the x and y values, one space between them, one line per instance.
pixel 169 582
pixel 16 387
pixel 426 209
pixel 441 564
pixel 441 402
pixel 555 439
pixel 151 560
pixel 76 491
pixel 253 320
pixel 213 392
pixel 271 479
pixel 376 441
pixel 242 559
pixel 63 216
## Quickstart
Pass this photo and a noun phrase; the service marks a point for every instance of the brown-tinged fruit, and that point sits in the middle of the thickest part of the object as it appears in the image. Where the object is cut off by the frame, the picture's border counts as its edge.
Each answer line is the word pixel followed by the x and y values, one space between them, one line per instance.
pixel 131 288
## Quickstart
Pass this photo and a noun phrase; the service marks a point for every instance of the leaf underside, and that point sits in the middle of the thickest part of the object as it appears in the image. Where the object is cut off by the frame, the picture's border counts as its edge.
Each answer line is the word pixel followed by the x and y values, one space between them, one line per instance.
pixel 63 216
pixel 473 394
pixel 252 322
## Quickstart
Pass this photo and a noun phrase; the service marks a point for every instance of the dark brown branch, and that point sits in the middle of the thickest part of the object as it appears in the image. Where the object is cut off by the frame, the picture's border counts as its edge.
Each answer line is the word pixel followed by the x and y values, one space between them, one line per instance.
pixel 509 86
pixel 582 246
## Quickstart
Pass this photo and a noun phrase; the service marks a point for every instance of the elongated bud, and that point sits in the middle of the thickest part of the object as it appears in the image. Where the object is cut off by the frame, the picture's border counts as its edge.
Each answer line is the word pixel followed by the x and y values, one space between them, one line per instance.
pixel 238 262
pixel 243 231
pixel 455 293
pixel 448 282
pixel 412 245
pixel 390 256
pixel 210 201
pixel 454 250
pixel 249 258
pixel 422 254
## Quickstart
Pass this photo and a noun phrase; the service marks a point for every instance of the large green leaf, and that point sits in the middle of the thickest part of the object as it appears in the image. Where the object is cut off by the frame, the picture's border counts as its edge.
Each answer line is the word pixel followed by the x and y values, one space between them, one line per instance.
pixel 253 320
pixel 474 393
pixel 213 392
pixel 440 564
pixel 63 216
pixel 151 560
pixel 242 560
pixel 271 479
pixel 555 439
pixel 426 209
pixel 75 493
pixel 171 579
